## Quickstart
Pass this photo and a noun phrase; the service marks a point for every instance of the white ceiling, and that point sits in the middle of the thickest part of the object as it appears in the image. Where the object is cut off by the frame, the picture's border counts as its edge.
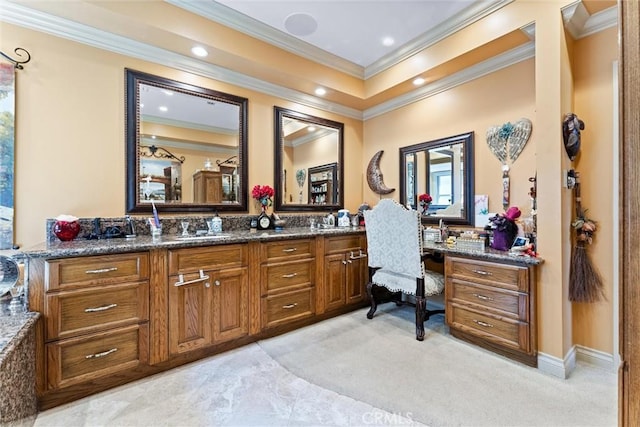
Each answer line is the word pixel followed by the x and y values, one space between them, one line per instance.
pixel 352 30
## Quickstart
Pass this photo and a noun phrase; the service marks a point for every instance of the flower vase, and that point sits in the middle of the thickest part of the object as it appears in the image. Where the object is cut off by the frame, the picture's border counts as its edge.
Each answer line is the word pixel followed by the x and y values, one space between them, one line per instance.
pixel 424 208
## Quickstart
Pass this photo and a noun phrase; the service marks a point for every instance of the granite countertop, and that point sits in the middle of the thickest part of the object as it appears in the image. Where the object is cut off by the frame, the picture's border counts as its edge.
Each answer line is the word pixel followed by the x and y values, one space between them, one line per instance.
pixel 15 321
pixel 486 253
pixel 83 247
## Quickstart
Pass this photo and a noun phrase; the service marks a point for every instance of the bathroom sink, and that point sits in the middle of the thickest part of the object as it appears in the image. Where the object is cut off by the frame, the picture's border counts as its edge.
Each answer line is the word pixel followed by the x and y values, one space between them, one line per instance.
pixel 203 237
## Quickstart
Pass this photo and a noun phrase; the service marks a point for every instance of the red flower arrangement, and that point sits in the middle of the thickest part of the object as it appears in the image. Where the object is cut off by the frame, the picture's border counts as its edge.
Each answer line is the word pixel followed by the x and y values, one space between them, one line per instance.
pixel 425 198
pixel 263 194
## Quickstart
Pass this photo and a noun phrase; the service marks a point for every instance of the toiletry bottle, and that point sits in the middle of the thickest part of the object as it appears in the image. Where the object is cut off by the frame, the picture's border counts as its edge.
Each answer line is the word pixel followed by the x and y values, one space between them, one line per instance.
pixel 216 224
pixel 331 220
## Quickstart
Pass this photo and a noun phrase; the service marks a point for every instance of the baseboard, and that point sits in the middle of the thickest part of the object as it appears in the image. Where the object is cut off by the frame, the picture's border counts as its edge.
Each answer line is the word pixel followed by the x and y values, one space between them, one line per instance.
pixel 562 368
pixel 596 358
pixel 557 367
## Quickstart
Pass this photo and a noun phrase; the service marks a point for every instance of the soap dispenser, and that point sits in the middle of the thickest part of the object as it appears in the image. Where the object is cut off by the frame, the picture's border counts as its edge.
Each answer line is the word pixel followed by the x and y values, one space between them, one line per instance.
pixel 216 224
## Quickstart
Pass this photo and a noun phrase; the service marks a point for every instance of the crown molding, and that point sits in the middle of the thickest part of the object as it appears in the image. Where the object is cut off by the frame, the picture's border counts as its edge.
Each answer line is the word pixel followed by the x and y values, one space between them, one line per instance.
pixel 580 24
pixel 496 63
pixel 18 14
pixel 456 23
pixel 231 18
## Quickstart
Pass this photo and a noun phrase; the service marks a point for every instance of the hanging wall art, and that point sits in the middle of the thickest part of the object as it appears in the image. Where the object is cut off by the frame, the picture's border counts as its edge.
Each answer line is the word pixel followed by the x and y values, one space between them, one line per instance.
pixel 506 142
pixel 8 67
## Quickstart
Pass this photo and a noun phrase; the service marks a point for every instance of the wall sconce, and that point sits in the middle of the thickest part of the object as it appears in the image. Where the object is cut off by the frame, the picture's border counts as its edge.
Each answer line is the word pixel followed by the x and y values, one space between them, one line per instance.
pixel 233 161
pixel 163 154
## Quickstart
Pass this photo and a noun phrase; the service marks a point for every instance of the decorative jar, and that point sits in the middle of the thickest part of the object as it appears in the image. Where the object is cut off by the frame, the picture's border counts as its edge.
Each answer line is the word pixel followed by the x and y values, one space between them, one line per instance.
pixel 66 227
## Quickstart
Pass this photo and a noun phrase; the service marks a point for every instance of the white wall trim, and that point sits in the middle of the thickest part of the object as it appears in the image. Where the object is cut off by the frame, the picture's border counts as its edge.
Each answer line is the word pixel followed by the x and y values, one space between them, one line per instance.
pixel 596 358
pixel 556 367
pixel 615 209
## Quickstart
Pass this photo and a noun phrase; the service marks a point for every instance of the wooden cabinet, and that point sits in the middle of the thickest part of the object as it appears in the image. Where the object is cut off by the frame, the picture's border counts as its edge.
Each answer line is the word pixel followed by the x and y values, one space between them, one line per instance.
pixel 96 312
pixel 492 305
pixel 208 296
pixel 345 273
pixel 287 281
pixel 207 187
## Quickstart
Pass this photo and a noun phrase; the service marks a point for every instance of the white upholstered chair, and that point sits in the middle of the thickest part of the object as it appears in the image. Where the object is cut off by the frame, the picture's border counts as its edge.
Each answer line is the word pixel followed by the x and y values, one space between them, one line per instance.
pixel 394 246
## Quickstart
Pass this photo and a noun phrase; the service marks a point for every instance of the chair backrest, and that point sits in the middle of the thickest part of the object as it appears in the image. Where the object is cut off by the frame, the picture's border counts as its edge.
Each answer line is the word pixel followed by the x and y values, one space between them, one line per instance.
pixel 394 240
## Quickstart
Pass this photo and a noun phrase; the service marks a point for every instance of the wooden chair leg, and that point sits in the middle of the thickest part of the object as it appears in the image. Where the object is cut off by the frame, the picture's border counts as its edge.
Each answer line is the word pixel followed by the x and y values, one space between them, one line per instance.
pixel 374 304
pixel 420 313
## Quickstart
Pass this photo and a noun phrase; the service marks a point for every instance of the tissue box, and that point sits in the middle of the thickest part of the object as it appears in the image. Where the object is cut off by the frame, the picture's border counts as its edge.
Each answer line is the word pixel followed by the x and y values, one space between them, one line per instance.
pixel 432 235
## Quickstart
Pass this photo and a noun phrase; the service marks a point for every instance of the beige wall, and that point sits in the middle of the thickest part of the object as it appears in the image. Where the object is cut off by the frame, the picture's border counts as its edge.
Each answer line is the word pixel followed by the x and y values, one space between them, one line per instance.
pixel 504 96
pixel 70 147
pixel 593 98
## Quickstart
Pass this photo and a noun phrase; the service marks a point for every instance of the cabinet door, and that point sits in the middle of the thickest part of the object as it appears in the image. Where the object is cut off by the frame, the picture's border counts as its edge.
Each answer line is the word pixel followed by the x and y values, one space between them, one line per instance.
pixel 356 278
pixel 230 304
pixel 190 312
pixel 334 281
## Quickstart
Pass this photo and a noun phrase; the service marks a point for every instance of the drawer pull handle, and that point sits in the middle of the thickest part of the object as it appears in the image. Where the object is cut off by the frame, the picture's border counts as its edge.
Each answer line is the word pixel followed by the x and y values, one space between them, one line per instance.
pixel 481 323
pixel 289 276
pixel 101 270
pixel 288 306
pixel 482 272
pixel 181 282
pixel 103 354
pixel 103 308
pixel 360 255
pixel 482 297
pixel 290 250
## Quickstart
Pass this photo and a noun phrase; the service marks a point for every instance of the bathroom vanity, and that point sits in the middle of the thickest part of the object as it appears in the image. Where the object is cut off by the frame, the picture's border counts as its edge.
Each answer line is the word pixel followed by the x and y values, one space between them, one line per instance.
pixel 121 309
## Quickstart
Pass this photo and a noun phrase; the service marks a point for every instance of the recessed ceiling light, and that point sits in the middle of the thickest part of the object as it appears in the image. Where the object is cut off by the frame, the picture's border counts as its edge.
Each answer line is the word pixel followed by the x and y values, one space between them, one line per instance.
pixel 163 108
pixel 418 81
pixel 388 41
pixel 199 51
pixel 167 92
pixel 153 137
pixel 321 91
pixel 311 128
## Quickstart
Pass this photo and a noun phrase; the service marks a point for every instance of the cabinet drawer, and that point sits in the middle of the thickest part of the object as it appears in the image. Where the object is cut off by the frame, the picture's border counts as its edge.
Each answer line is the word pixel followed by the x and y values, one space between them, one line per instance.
pixel 207 258
pixel 89 310
pixel 503 302
pixel 287 249
pixel 96 270
pixel 343 244
pixel 502 275
pixel 504 331
pixel 287 274
pixel 83 359
pixel 288 307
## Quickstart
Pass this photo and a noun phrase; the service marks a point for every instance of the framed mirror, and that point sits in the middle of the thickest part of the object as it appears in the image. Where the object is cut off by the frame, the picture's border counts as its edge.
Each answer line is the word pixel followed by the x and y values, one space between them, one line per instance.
pixel 308 162
pixel 442 168
pixel 186 147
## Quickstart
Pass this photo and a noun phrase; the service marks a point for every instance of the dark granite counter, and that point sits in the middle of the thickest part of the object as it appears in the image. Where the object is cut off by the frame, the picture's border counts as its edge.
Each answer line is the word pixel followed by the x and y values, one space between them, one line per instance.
pixel 486 253
pixel 17 362
pixel 83 247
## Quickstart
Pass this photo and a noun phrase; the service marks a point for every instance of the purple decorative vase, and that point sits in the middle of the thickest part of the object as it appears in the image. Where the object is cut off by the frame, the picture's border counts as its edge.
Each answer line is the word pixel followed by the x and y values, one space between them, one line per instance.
pixel 502 240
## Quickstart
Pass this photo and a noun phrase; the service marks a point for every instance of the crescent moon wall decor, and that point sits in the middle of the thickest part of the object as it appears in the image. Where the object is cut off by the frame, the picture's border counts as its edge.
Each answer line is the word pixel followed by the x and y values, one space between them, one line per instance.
pixel 374 176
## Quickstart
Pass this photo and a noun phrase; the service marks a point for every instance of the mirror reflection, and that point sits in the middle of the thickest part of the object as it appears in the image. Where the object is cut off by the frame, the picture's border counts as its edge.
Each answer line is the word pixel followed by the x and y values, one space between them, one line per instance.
pixel 443 169
pixel 308 162
pixel 186 147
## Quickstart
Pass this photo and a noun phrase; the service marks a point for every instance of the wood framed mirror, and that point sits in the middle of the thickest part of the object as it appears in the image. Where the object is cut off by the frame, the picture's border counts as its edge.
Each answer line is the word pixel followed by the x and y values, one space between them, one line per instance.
pixel 186 147
pixel 442 168
pixel 308 172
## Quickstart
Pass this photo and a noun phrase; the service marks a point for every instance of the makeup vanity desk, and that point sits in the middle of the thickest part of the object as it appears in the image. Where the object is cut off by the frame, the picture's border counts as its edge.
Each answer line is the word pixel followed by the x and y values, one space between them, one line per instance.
pixel 490 299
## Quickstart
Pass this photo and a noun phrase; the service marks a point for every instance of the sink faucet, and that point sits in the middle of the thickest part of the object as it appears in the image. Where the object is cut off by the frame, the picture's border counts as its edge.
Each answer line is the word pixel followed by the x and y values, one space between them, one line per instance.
pixel 130 230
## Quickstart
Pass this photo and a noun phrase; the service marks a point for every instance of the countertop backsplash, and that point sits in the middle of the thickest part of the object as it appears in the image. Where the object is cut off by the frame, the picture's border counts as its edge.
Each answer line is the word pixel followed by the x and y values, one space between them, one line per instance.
pixel 171 224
